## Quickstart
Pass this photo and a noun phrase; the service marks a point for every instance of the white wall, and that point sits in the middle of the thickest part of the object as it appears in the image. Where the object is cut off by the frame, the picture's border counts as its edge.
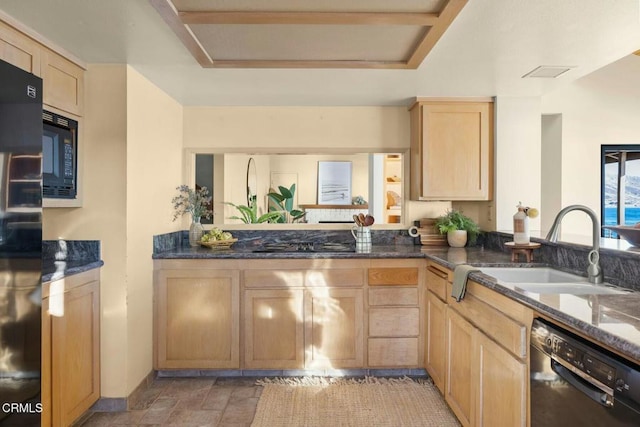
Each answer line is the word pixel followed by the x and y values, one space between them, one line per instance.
pixel 601 108
pixel 517 158
pixel 551 180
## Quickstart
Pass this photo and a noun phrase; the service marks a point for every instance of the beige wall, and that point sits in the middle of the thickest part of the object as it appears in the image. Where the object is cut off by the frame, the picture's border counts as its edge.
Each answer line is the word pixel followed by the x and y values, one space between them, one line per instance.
pixel 132 142
pixel 154 149
pixel 601 108
pixel 103 215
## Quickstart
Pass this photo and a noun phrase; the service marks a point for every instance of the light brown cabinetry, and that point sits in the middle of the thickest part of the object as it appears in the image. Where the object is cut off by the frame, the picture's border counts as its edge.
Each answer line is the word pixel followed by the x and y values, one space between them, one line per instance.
pixel 63 83
pixel 333 328
pixel 19 50
pixel 273 329
pixel 394 321
pixel 197 317
pixel 70 347
pixel 451 150
pixel 303 314
pixel 476 351
pixel 435 321
pixel 494 330
pixel 62 79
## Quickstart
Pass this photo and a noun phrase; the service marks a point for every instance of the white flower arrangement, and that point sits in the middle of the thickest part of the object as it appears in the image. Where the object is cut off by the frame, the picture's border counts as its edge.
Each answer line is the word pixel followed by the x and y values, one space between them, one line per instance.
pixel 195 202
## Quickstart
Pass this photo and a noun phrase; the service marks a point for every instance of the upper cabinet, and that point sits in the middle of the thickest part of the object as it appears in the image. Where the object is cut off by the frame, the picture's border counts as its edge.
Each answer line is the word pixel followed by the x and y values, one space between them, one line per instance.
pixel 19 50
pixel 62 79
pixel 452 150
pixel 63 83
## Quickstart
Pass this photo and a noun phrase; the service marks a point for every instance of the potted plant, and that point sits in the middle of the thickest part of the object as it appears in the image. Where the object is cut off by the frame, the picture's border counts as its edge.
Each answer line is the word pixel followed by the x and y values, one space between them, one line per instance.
pixel 196 203
pixel 458 227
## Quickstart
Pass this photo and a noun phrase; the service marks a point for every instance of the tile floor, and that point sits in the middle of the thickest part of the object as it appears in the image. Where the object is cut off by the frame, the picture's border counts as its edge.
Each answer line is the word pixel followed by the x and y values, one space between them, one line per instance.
pixel 219 402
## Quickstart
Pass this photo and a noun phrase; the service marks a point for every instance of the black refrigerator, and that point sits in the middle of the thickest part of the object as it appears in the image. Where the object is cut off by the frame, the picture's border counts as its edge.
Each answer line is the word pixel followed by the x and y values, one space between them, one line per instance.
pixel 20 246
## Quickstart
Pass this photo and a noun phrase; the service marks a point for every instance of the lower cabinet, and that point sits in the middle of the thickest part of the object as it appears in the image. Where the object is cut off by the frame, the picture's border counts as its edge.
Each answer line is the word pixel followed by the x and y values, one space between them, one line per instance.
pixel 297 328
pixel 293 314
pixel 70 347
pixel 476 351
pixel 196 318
pixel 273 329
pixel 333 328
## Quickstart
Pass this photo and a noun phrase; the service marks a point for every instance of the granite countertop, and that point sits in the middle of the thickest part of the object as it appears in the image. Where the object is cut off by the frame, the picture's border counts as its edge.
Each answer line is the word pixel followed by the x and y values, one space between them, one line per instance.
pixel 613 320
pixel 378 251
pixel 55 270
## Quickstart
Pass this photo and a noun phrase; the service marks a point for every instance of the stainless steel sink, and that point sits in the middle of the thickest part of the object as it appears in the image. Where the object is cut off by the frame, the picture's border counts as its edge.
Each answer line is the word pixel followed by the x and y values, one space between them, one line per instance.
pixel 547 280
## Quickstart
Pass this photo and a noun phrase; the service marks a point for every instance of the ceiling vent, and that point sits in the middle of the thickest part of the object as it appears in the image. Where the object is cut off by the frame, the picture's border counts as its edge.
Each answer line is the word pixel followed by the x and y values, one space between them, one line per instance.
pixel 548 71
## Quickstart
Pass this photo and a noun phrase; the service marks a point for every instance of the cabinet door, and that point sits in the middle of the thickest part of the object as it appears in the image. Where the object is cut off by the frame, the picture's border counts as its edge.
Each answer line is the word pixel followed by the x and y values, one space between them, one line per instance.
pixel 197 319
pixel 501 380
pixel 63 83
pixel 19 50
pixel 75 348
pixel 273 325
pixel 456 151
pixel 460 355
pixel 333 328
pixel 435 352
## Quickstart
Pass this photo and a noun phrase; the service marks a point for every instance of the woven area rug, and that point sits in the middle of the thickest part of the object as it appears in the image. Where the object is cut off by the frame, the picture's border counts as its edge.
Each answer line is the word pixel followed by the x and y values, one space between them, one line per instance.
pixel 321 402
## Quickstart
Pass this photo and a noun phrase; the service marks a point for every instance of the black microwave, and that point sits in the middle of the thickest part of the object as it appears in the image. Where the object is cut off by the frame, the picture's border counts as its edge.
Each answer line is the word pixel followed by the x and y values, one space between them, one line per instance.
pixel 59 156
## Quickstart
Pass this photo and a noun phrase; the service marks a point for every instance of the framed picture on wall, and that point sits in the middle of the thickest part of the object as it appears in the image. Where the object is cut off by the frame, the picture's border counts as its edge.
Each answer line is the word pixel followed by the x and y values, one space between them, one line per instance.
pixel 334 183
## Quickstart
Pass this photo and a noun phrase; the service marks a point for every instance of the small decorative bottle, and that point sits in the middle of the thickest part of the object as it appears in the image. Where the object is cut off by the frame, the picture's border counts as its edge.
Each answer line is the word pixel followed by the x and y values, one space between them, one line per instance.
pixel 521 227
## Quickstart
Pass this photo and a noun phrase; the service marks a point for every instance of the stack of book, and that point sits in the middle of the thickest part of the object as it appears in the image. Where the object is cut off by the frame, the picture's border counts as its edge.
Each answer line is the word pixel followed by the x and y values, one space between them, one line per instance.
pixel 429 234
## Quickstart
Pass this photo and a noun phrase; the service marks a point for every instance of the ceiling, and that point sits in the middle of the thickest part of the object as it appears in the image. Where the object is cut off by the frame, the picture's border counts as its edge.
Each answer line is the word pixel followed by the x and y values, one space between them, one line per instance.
pixel 486 50
pixel 294 34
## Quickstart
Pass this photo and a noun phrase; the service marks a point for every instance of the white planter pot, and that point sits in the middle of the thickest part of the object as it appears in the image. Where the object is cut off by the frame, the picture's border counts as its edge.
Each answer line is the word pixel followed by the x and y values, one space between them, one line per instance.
pixel 457 238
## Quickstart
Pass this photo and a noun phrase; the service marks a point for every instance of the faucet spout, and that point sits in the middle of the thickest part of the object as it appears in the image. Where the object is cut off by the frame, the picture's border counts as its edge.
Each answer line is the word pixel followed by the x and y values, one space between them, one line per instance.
pixel 594 271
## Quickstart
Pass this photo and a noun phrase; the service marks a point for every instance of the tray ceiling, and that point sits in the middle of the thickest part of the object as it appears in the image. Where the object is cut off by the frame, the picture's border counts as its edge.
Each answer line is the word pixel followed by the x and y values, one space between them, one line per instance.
pixel 305 34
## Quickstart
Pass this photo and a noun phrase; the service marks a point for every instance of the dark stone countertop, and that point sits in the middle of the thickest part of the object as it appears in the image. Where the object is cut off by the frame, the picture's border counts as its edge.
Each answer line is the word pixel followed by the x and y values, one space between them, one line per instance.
pixel 55 270
pixel 62 258
pixel 613 320
pixel 378 251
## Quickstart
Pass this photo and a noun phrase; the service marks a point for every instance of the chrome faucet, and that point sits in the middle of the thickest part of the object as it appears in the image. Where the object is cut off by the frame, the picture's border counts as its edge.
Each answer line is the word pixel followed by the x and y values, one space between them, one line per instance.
pixel 594 271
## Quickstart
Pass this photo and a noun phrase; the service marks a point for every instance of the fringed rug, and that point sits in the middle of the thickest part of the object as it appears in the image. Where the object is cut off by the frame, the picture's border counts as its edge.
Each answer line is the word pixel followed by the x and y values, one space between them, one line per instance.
pixel 322 402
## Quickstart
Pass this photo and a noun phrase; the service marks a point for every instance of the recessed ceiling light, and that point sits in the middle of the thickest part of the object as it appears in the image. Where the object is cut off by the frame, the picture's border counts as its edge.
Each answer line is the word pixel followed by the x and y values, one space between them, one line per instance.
pixel 548 71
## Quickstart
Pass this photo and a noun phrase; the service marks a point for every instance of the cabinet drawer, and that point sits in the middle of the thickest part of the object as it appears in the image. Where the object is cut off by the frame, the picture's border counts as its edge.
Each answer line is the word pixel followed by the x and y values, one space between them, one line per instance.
pixel 386 352
pixel 393 296
pixel 394 322
pixel 349 277
pixel 437 282
pixel 393 276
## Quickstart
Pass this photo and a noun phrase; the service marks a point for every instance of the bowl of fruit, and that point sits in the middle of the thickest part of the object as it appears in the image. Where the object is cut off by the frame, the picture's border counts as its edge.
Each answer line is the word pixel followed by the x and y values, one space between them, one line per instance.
pixel 217 239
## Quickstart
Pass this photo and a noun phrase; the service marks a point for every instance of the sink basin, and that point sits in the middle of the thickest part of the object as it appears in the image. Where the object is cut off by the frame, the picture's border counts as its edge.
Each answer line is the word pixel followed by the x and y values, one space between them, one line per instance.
pixel 531 275
pixel 546 280
pixel 568 288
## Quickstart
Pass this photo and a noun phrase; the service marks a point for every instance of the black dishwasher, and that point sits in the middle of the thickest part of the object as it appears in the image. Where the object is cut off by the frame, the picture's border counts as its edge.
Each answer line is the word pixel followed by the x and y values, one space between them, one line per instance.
pixel 576 383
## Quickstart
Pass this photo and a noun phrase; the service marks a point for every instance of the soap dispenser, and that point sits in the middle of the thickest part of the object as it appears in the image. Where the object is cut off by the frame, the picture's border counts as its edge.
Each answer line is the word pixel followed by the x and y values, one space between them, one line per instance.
pixel 521 234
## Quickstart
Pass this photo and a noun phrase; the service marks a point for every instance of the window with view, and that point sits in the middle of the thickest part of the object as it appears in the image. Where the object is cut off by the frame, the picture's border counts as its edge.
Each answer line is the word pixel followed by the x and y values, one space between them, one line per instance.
pixel 620 194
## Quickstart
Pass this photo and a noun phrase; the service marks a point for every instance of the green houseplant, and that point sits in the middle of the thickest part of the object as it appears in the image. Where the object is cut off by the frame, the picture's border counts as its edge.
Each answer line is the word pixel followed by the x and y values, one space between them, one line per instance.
pixel 283 202
pixel 250 213
pixel 458 227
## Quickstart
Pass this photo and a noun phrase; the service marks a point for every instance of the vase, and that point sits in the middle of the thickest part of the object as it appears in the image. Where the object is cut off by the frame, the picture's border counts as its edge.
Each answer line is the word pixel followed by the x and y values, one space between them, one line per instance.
pixel 195 232
pixel 457 238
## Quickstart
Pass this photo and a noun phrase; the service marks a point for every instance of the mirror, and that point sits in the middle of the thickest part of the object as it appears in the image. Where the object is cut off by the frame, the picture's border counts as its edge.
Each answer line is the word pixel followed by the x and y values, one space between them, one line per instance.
pixel 377 186
pixel 252 181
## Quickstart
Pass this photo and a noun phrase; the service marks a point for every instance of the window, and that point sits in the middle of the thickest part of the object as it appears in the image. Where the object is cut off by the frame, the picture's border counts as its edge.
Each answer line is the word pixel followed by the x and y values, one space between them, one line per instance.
pixel 620 180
